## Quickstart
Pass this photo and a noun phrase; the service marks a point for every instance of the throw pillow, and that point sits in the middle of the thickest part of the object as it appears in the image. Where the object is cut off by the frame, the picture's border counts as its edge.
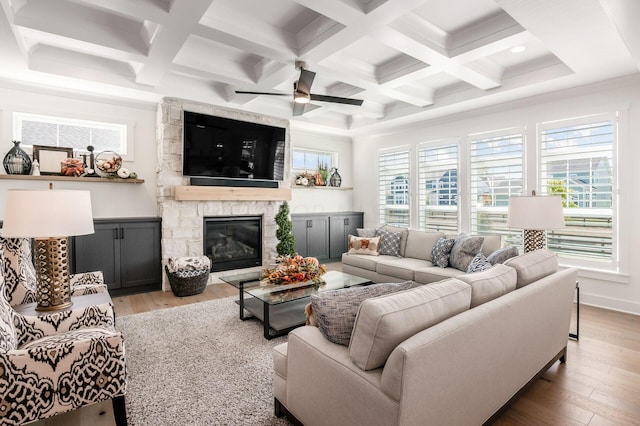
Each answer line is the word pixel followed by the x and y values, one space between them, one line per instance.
pixel 501 255
pixel 366 232
pixel 441 252
pixel 405 234
pixel 464 250
pixel 479 264
pixel 335 310
pixel 361 245
pixel 390 242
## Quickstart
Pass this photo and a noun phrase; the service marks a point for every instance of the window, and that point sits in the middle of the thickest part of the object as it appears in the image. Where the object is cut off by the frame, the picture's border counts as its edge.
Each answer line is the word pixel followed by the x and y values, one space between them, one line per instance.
pixel 393 187
pixel 308 159
pixel 438 187
pixel 34 129
pixel 496 162
pixel 577 163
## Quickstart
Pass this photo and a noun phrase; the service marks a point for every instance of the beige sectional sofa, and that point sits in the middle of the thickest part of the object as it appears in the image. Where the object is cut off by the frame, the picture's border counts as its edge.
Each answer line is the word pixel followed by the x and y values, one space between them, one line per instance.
pixel 414 263
pixel 448 353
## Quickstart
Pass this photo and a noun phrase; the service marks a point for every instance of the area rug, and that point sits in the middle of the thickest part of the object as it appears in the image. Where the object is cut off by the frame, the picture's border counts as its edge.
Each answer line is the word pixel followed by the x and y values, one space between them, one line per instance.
pixel 198 364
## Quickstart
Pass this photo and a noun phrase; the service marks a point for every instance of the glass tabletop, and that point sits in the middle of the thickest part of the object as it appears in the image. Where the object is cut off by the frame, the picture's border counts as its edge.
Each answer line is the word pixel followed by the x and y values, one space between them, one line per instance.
pixel 274 294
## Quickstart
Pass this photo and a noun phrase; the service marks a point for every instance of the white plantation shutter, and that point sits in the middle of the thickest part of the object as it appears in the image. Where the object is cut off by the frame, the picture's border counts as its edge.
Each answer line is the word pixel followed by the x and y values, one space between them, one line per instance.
pixel 393 187
pixel 496 163
pixel 438 187
pixel 577 163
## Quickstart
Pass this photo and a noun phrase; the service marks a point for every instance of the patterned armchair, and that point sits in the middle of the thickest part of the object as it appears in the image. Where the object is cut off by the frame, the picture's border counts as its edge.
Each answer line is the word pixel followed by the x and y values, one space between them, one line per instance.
pixel 20 274
pixel 58 362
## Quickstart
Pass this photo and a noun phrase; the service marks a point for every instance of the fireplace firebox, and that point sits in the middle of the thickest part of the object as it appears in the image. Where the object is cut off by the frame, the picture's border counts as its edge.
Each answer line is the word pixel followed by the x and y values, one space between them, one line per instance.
pixel 233 242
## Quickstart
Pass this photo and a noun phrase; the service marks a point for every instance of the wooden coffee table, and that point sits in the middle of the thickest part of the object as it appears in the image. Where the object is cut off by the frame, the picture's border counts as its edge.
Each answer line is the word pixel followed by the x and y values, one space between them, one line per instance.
pixel 281 307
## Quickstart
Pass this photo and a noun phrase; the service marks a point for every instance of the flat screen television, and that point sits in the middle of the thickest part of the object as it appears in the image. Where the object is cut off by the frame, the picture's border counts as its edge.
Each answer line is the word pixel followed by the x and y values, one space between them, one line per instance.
pixel 217 147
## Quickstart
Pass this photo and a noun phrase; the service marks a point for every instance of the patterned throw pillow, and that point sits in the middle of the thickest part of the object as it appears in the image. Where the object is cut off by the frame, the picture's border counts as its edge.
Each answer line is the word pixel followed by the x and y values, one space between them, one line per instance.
pixel 390 242
pixel 366 232
pixel 479 264
pixel 441 251
pixel 336 310
pixel 464 250
pixel 361 245
pixel 501 255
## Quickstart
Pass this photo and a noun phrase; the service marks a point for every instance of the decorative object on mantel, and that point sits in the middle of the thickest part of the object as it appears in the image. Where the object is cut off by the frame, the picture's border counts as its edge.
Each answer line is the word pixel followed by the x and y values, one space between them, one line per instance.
pixel 286 242
pixel 35 168
pixel 17 161
pixel 72 167
pixel 108 163
pixel 336 179
pixel 305 179
pixel 323 170
pixel 291 270
pixel 50 158
pixel 91 167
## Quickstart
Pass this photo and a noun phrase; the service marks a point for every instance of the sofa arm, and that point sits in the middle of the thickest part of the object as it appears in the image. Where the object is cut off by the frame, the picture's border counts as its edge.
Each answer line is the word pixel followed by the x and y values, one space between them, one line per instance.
pixel 84 283
pixel 323 385
pixel 31 327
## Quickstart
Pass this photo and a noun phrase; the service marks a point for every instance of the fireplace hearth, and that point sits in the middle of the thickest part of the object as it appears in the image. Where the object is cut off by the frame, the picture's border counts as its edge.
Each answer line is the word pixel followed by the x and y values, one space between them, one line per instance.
pixel 233 242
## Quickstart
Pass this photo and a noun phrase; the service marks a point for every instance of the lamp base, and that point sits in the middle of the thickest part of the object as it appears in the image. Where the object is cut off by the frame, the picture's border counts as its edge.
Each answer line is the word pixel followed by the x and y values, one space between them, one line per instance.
pixel 52 274
pixel 534 239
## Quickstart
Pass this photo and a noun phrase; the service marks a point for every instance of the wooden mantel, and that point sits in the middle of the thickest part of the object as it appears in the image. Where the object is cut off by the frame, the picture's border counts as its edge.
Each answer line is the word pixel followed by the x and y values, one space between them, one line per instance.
pixel 225 193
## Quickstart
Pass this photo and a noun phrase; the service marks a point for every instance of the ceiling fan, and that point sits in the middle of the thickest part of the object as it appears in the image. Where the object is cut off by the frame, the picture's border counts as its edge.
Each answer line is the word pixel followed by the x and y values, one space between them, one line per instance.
pixel 302 92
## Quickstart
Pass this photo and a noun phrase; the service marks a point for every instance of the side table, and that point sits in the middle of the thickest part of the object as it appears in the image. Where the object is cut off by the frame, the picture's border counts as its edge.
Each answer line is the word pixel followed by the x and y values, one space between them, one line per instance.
pixel 79 302
pixel 576 335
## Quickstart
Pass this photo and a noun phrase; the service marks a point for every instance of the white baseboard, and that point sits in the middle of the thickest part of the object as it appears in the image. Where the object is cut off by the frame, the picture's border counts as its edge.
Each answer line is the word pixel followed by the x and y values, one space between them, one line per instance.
pixel 610 303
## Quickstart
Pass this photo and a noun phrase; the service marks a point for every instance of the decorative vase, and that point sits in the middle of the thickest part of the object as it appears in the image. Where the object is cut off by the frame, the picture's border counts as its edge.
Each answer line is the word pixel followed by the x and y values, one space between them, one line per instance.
pixel 108 163
pixel 17 162
pixel 336 179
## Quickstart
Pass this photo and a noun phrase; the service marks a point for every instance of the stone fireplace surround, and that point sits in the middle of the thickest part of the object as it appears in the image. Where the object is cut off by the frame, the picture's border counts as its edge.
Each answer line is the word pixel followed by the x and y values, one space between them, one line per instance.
pixel 182 221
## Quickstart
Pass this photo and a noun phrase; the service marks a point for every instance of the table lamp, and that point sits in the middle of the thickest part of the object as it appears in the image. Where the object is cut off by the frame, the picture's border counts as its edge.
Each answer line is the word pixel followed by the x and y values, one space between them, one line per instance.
pixel 535 215
pixel 49 216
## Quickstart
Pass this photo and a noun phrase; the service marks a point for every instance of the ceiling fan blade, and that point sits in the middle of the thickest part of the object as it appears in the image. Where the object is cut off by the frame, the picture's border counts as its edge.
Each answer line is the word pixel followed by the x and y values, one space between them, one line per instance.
pixel 243 92
pixel 305 81
pixel 335 99
pixel 298 109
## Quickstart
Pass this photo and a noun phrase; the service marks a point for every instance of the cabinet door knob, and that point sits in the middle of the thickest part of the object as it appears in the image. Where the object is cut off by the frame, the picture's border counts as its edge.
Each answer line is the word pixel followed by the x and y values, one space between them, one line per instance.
pixel 309 224
pixel 346 221
pixel 122 233
pixel 115 233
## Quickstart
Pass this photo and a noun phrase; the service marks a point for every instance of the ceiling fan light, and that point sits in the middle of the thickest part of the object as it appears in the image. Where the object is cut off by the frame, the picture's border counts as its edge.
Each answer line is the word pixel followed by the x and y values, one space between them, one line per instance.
pixel 301 98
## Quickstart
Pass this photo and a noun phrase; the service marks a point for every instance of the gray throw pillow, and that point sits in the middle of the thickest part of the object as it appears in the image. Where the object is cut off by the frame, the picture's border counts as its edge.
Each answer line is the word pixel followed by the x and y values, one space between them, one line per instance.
pixel 336 310
pixel 501 255
pixel 441 251
pixel 464 250
pixel 366 232
pixel 479 264
pixel 390 242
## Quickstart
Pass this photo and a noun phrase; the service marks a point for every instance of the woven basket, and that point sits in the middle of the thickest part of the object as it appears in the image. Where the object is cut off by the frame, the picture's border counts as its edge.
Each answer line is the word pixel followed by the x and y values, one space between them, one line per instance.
pixel 189 286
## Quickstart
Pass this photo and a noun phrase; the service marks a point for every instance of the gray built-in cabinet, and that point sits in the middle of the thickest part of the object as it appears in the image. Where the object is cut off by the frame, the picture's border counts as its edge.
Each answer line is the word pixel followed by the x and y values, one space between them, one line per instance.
pixel 127 251
pixel 325 235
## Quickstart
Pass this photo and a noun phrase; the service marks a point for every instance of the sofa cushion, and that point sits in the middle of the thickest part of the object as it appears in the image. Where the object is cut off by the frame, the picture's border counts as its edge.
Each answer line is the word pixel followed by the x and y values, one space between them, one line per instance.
pixel 384 322
pixel 364 245
pixel 441 251
pixel 335 310
pixel 464 250
pixel 534 265
pixel 360 261
pixel 390 242
pixel 366 232
pixel 420 243
pixel 489 284
pixel 491 243
pixel 501 255
pixel 403 241
pixel 478 264
pixel 402 268
pixel 431 274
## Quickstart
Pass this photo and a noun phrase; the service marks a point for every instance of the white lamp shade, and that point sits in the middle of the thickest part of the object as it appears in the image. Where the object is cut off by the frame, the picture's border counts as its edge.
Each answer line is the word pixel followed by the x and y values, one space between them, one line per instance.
pixel 47 213
pixel 536 212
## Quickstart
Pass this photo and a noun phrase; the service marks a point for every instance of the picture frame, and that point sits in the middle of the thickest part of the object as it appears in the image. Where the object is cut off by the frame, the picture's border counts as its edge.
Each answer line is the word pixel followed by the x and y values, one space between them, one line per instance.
pixel 50 158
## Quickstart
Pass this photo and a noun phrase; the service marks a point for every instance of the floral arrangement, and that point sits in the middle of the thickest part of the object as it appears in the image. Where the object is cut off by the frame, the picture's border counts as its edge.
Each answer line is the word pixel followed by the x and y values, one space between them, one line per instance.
pixel 292 269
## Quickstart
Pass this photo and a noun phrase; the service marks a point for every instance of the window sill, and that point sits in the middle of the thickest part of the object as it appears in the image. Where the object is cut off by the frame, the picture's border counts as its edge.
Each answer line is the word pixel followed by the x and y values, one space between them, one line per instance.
pixel 70 178
pixel 601 275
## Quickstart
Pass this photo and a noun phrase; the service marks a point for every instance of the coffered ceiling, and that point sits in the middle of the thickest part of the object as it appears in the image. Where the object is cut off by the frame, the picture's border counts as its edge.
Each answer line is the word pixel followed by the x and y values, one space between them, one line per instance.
pixel 407 59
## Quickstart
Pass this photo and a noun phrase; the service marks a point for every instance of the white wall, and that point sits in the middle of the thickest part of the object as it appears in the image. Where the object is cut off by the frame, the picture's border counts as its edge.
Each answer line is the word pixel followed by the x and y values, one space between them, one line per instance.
pixel 313 200
pixel 619 291
pixel 108 199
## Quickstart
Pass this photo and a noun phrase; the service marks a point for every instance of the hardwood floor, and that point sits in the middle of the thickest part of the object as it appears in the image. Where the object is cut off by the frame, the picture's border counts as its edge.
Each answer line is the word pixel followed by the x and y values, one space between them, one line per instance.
pixel 599 385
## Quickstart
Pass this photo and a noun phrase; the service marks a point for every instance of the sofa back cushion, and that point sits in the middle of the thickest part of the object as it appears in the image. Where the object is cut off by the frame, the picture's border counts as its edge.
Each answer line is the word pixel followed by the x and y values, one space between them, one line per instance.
pixel 534 265
pixel 384 322
pixel 489 284
pixel 335 310
pixel 491 243
pixel 420 244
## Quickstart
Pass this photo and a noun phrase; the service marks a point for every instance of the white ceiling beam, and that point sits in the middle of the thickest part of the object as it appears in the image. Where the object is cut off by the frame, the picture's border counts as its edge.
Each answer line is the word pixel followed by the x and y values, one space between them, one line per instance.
pixel 487 31
pixel 12 45
pixel 142 10
pixel 169 38
pixel 624 14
